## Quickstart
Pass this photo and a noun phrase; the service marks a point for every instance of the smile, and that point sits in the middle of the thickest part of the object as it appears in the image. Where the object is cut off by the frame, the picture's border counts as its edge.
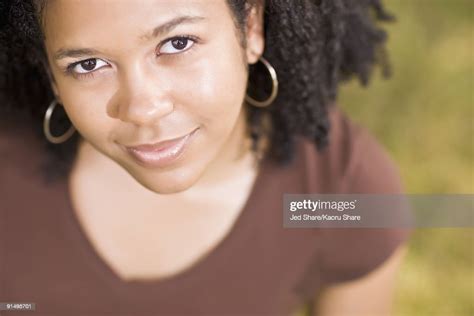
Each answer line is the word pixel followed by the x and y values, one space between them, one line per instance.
pixel 161 154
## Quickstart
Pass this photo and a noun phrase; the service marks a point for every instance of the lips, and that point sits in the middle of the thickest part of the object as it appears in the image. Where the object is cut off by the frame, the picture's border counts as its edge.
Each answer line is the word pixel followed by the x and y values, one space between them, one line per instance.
pixel 158 146
pixel 160 154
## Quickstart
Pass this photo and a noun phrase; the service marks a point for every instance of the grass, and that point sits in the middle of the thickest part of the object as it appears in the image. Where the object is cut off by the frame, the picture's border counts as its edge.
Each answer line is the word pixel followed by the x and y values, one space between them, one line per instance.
pixel 424 117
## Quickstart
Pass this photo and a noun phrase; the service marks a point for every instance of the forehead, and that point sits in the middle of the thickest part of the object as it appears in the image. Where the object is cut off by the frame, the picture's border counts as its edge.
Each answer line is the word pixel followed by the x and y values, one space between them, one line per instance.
pixel 68 19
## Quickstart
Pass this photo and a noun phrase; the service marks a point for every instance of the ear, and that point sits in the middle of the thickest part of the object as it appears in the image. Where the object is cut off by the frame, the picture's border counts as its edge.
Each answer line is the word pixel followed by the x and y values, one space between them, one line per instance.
pixel 254 33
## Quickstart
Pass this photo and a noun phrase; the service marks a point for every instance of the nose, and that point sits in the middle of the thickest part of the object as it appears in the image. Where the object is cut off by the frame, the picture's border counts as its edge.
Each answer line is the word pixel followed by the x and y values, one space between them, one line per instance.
pixel 144 98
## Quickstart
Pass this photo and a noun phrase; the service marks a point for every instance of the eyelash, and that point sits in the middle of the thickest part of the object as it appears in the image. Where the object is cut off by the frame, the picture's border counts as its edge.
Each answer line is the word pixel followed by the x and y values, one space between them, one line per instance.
pixel 90 74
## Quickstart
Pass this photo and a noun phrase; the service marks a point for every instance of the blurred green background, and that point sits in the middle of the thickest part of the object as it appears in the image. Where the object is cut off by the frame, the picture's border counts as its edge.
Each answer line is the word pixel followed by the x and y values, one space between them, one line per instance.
pixel 423 116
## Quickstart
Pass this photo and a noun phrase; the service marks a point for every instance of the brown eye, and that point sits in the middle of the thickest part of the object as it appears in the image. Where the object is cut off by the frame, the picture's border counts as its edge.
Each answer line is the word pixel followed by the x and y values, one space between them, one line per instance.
pixel 88 64
pixel 179 43
pixel 176 45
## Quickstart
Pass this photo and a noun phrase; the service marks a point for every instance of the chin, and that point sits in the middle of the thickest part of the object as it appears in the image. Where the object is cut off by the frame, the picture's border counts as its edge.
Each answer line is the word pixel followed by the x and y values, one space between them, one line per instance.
pixel 167 183
pixel 168 188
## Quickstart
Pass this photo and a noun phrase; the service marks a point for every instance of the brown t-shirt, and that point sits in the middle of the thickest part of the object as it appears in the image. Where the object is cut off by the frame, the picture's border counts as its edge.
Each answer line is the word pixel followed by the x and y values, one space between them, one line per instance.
pixel 259 268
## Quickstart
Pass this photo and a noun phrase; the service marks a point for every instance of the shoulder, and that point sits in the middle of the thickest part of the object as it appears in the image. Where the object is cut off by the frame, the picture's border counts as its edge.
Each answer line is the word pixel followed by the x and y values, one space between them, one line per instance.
pixel 354 161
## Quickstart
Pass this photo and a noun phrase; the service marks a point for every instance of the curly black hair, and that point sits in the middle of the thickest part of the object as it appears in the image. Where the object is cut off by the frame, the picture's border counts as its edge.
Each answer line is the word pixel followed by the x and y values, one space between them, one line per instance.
pixel 313 45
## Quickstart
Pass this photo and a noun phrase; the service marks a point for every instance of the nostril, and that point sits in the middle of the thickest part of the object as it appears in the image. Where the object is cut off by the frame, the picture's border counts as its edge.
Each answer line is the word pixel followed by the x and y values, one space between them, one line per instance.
pixel 145 112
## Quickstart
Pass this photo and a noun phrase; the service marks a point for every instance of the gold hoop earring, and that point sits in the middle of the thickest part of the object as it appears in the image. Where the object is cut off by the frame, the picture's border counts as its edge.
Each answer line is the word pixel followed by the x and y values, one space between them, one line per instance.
pixel 47 131
pixel 274 93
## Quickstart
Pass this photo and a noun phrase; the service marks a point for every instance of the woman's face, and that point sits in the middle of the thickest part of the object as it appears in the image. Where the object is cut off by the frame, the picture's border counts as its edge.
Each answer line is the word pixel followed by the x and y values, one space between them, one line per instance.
pixel 130 73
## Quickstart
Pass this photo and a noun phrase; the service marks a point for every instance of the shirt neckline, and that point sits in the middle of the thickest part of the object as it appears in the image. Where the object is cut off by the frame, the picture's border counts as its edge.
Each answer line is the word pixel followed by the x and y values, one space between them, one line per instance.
pixel 91 257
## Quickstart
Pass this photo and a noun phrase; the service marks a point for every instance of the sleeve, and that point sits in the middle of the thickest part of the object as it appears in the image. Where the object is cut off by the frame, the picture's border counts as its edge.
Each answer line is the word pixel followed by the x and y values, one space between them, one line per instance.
pixel 351 253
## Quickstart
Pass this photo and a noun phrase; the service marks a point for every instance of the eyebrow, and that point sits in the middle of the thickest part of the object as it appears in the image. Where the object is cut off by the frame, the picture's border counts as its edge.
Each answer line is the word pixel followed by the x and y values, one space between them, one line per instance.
pixel 158 31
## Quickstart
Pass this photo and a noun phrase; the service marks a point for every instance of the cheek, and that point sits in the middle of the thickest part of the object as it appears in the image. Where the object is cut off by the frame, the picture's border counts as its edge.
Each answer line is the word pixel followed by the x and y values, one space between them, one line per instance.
pixel 87 111
pixel 214 91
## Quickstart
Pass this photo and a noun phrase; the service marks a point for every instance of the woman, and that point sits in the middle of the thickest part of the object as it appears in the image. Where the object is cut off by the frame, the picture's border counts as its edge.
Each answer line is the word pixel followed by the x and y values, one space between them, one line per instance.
pixel 186 123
